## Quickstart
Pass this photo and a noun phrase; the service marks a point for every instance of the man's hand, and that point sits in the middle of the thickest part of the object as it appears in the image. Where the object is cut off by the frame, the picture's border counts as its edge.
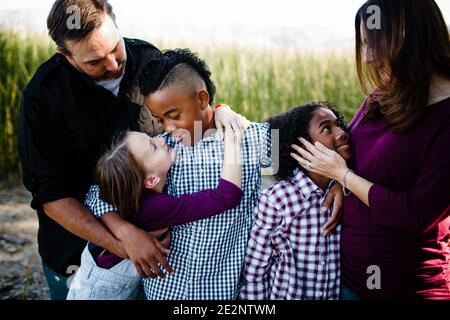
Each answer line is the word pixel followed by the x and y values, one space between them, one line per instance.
pixel 142 248
pixel 334 197
pixel 145 252
pixel 163 237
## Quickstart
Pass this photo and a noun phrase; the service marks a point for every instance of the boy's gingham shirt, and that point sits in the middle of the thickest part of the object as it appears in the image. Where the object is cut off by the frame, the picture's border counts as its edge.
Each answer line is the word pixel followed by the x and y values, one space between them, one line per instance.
pixel 288 257
pixel 207 255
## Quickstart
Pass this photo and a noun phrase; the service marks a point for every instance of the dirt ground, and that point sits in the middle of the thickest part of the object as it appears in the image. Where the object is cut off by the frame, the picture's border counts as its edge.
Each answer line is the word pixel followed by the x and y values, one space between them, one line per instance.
pixel 21 275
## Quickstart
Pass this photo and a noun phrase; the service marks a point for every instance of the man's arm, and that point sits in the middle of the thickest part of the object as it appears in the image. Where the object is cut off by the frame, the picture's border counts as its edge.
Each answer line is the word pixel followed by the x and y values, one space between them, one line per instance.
pixel 41 145
pixel 74 217
pixel 144 251
pixel 142 248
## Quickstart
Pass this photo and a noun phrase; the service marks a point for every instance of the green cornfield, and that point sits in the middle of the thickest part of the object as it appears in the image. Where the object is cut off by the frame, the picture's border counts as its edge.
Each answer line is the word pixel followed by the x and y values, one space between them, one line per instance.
pixel 19 58
pixel 256 82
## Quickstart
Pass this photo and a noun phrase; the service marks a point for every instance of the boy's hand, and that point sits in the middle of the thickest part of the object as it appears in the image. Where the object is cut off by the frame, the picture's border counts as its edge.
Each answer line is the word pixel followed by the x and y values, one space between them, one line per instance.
pixel 226 118
pixel 334 197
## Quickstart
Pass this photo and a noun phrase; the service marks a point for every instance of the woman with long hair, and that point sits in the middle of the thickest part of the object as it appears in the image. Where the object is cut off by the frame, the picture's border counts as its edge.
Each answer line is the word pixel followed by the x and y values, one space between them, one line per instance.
pixel 395 228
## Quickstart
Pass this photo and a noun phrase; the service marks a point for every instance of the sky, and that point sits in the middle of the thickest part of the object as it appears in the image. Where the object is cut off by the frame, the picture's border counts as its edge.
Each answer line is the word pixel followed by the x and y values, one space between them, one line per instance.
pixel 303 22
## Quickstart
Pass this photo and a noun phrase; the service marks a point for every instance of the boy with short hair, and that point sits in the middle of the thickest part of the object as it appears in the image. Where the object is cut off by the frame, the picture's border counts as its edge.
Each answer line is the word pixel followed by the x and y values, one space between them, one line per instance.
pixel 207 255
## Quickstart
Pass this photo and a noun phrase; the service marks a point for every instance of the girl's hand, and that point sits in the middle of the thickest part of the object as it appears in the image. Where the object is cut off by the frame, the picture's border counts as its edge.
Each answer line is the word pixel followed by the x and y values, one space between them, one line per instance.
pixel 232 164
pixel 232 137
pixel 226 118
pixel 319 159
pixel 335 198
pixel 232 143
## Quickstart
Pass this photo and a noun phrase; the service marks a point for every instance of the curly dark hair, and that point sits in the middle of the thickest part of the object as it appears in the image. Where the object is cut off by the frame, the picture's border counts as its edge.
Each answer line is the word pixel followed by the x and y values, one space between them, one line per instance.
pixel 157 74
pixel 291 125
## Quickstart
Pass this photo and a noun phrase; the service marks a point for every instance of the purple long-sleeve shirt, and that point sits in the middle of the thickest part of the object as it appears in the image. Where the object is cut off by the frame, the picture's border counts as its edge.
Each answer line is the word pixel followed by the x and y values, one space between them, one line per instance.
pixel 405 230
pixel 158 211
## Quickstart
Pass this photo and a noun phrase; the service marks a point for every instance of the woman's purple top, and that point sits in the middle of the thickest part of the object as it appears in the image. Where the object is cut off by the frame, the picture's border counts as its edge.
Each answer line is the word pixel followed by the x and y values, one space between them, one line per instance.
pixel 405 231
pixel 158 211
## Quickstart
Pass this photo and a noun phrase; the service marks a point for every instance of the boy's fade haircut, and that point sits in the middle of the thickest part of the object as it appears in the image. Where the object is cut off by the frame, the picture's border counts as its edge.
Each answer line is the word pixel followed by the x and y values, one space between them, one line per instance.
pixel 91 17
pixel 169 67
pixel 293 124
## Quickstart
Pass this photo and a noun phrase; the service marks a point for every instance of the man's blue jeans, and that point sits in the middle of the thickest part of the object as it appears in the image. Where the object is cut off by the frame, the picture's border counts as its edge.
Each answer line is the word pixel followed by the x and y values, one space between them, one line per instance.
pixel 57 284
pixel 347 294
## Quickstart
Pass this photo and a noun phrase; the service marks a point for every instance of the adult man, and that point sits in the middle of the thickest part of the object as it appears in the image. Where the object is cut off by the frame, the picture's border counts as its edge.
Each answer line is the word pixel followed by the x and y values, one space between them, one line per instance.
pixel 71 109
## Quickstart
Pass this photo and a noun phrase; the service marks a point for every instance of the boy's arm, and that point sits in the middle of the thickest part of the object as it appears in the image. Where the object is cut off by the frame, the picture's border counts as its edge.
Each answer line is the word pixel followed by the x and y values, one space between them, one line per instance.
pixel 260 250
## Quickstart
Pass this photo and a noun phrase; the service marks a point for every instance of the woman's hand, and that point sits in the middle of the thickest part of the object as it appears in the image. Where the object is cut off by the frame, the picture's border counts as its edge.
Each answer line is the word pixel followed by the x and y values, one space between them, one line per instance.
pixel 325 162
pixel 227 119
pixel 328 163
pixel 321 160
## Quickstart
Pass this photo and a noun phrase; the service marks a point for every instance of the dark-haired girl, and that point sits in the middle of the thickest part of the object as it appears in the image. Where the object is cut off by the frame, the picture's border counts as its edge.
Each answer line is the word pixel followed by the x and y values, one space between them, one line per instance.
pixel 288 256
pixel 395 230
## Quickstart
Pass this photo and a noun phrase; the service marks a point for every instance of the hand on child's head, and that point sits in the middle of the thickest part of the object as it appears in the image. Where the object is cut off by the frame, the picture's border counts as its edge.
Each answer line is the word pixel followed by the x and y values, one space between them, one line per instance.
pixel 325 128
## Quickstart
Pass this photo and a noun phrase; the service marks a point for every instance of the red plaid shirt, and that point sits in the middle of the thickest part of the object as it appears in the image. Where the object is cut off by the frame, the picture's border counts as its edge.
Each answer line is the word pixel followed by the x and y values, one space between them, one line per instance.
pixel 287 256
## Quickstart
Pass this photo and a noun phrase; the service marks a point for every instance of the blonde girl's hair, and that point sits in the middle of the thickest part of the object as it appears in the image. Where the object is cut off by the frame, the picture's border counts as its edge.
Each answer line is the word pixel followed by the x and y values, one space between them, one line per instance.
pixel 121 178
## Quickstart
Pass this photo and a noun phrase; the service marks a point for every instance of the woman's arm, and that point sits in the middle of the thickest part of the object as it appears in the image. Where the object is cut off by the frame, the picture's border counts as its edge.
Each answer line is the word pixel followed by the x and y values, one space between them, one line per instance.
pixel 414 210
pixel 328 163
